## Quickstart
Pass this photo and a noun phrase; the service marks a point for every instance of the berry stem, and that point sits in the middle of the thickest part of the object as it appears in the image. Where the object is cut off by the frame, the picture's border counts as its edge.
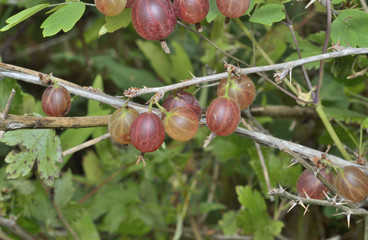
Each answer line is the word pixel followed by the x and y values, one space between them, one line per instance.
pixel 199 27
pixel 150 106
pixel 165 47
pixel 162 108
pixel 228 84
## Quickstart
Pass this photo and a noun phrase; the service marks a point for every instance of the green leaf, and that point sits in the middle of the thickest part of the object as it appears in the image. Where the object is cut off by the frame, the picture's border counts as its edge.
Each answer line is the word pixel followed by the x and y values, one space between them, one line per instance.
pixel 153 52
pixel 85 227
pixel 228 223
pixel 181 64
pixel 268 14
pixel 23 15
pixel 64 189
pixel 251 200
pixel 116 22
pixel 91 168
pixel 40 144
pixel 213 12
pixel 346 115
pixel 350 28
pixel 363 125
pixel 63 19
pixel 206 207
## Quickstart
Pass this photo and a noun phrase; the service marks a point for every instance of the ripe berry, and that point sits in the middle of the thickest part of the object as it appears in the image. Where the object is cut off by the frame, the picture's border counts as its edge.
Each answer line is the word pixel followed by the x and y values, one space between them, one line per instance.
pixel 241 88
pixel 352 184
pixel 232 8
pixel 192 11
pixel 181 123
pixel 223 116
pixel 56 101
pixel 310 185
pixel 129 3
pixel 119 124
pixel 182 99
pixel 110 7
pixel 147 132
pixel 154 19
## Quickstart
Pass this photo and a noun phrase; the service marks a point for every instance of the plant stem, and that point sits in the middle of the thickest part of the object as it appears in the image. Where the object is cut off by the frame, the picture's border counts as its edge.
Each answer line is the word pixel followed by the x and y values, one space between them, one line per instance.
pixel 366 227
pixel 332 132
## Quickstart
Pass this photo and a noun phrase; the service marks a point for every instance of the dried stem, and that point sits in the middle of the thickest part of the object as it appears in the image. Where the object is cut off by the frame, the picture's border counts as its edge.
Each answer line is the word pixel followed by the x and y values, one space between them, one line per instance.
pixel 14 228
pixel 86 144
pixel 273 67
pixel 290 26
pixel 8 104
pixel 14 122
pixel 328 203
pixel 64 221
pixel 324 49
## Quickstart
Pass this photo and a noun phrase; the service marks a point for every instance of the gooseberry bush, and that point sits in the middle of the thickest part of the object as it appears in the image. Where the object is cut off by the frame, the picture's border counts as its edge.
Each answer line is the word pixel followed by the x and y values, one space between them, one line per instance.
pixel 183 119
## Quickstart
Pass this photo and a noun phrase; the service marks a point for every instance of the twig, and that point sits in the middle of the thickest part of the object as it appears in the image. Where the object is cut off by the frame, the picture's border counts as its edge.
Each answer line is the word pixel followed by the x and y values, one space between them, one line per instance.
pixel 261 159
pixel 14 228
pixel 34 77
pixel 3 236
pixel 215 77
pixel 8 104
pixel 86 144
pixel 364 5
pixel 290 26
pixel 301 150
pixel 328 203
pixel 26 75
pixel 64 221
pixel 324 49
pixel 193 224
pixel 215 176
pixel 280 111
pixel 15 122
pixel 238 60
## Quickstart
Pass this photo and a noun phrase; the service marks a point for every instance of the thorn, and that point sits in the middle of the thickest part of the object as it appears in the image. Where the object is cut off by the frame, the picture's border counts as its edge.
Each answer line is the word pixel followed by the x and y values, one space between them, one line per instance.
pixel 348 219
pixel 209 139
pixel 292 206
pixel 302 204
pixel 293 162
pixel 327 197
pixel 192 74
pixel 141 157
pixel 306 194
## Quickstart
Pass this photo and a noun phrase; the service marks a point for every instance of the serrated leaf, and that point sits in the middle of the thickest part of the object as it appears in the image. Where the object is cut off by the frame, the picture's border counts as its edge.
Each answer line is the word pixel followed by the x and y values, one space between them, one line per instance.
pixel 345 115
pixel 63 19
pixel 228 223
pixel 64 189
pixel 85 227
pixel 116 22
pixel 350 28
pixel 40 144
pixel 268 14
pixel 23 15
pixel 251 200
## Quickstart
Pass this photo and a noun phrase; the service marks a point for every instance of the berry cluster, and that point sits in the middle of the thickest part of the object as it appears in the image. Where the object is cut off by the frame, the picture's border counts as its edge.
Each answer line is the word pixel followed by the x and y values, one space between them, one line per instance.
pixel 235 93
pixel 181 114
pixel 156 19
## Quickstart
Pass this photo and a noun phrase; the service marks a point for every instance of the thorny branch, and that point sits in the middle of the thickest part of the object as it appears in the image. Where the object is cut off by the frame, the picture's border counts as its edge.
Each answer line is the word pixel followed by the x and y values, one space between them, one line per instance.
pixel 329 202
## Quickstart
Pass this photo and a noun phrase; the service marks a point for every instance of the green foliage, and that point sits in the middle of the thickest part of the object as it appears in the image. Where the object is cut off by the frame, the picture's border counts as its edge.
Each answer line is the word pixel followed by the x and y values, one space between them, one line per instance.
pixel 254 219
pixel 350 27
pixel 42 145
pixel 64 18
pixel 268 14
pixel 116 22
pixel 23 15
pixel 102 194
